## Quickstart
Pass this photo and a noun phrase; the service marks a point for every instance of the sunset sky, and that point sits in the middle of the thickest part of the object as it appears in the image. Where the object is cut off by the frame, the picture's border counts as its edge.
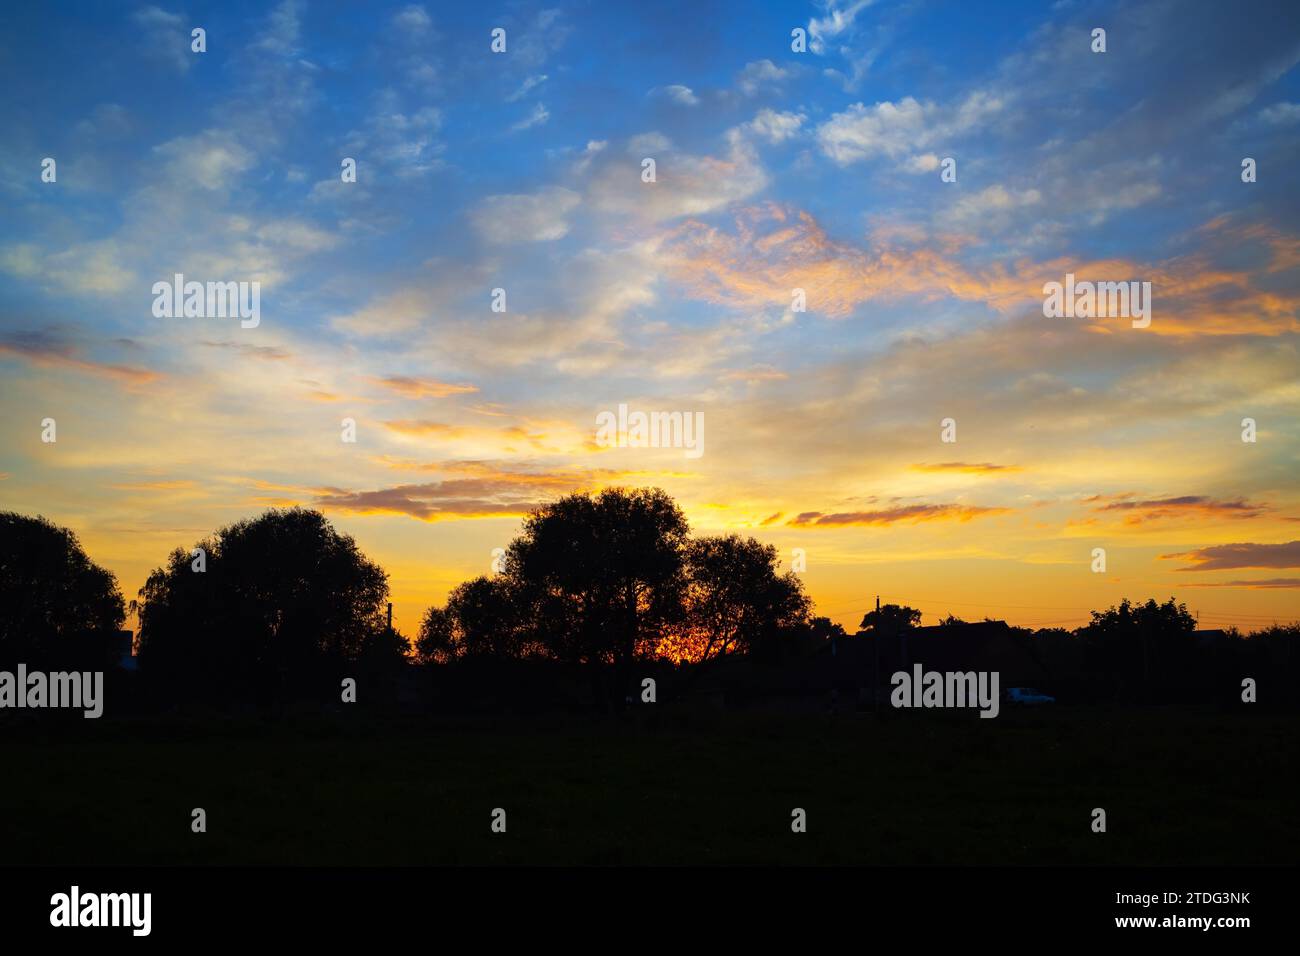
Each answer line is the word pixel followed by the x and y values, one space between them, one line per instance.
pixel 775 170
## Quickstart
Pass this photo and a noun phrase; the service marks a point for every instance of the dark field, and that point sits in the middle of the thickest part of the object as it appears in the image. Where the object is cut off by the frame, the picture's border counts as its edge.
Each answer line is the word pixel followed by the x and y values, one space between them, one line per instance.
pixel 1178 788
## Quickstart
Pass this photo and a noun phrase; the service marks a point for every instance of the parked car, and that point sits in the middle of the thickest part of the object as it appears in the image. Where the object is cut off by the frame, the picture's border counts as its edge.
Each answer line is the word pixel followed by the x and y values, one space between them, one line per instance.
pixel 1027 695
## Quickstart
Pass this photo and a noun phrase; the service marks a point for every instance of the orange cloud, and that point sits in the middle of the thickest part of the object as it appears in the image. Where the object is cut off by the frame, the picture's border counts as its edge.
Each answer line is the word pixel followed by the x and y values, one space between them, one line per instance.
pixel 905 513
pixel 773 251
pixel 42 349
pixel 1137 511
pixel 1221 557
pixel 973 468
pixel 422 387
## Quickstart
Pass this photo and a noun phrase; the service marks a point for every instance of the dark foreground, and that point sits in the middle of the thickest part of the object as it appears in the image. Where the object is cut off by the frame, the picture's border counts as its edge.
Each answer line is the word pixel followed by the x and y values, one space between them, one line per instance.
pixel 1178 787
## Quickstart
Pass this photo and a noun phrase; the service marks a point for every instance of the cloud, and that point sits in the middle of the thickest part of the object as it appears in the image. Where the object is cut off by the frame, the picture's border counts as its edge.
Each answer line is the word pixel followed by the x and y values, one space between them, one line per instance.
pixel 46 349
pixel 978 210
pixel 682 95
pixel 773 126
pixel 412 19
pixel 760 73
pixel 269 353
pixel 536 217
pixel 479 489
pixel 775 250
pixel 432 501
pixel 1137 511
pixel 755 374
pixel 964 467
pixel 1222 557
pixel 1280 114
pixel 526 87
pixel 210 159
pixel 685 184
pixel 895 130
pixel 422 387
pixel 537 117
pixel 395 138
pixel 280 37
pixel 165 36
pixel 1263 584
pixel 910 514
pixel 838 20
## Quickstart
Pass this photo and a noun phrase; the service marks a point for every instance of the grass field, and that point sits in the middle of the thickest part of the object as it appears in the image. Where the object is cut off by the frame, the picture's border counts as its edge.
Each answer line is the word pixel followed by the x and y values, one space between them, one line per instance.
pixel 1178 788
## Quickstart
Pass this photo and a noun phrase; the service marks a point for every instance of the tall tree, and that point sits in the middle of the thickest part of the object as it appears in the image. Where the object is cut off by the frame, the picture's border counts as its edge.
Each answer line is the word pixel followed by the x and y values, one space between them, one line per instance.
pixel 601 575
pixel 277 595
pixel 739 601
pixel 49 589
pixel 481 619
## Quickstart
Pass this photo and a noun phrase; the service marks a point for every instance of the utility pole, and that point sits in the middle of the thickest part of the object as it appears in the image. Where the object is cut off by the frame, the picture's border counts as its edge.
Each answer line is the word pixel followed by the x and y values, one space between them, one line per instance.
pixel 390 618
pixel 875 671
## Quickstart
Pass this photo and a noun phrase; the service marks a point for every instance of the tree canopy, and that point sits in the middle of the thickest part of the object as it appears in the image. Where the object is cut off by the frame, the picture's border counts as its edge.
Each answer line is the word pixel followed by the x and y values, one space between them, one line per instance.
pixel 276 593
pixel 49 588
pixel 614 577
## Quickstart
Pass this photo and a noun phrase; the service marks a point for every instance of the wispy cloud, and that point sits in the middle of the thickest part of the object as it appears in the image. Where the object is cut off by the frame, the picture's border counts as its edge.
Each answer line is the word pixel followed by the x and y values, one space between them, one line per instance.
pixel 1221 557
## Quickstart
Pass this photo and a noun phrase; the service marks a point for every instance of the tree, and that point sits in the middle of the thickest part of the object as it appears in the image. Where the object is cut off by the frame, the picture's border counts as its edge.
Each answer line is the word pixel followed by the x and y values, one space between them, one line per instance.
pixel 50 591
pixel 1132 642
pixel 600 575
pixel 480 620
pixel 738 601
pixel 891 619
pixel 281 595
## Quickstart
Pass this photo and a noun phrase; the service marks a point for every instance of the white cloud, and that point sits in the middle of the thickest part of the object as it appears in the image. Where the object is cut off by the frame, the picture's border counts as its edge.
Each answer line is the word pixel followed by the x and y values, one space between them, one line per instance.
pixel 406 143
pixel 678 94
pixel 894 130
pixel 989 206
pixel 1281 114
pixel 759 73
pixel 924 163
pixel 685 184
pixel 526 87
pixel 165 36
pixel 280 37
pixel 211 159
pixel 773 126
pixel 526 218
pixel 412 19
pixel 537 117
pixel 837 21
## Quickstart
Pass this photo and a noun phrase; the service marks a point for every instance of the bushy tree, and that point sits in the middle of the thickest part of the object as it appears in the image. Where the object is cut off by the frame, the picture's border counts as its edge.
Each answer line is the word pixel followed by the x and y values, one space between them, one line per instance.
pixel 481 619
pixel 281 595
pixel 50 590
pixel 890 619
pixel 599 577
pixel 738 600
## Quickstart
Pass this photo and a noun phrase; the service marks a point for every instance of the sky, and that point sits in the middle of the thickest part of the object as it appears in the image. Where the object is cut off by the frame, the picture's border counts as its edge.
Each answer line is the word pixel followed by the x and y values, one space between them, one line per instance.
pixel 775 170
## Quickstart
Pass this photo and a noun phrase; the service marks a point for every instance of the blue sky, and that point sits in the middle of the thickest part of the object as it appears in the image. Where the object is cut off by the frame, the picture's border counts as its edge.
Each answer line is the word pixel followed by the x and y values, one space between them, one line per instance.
pixel 776 170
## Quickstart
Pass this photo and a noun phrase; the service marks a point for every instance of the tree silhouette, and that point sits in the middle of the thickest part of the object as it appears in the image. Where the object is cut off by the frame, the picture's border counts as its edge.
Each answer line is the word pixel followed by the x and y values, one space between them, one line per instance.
pixel 282 595
pixel 599 576
pixel 481 619
pixel 1132 642
pixel 891 619
pixel 737 600
pixel 49 589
